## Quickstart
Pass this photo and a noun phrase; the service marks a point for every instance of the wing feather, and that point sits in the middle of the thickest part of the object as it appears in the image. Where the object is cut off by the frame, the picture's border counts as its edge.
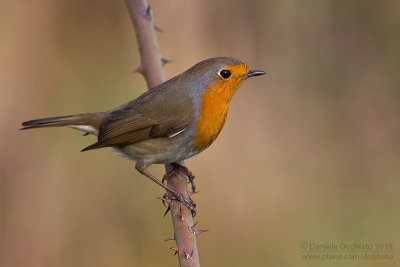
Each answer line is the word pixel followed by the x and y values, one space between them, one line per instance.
pixel 130 124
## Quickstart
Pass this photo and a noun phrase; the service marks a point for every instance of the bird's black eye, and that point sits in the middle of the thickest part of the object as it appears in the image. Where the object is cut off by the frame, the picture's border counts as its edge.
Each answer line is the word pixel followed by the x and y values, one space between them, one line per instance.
pixel 225 74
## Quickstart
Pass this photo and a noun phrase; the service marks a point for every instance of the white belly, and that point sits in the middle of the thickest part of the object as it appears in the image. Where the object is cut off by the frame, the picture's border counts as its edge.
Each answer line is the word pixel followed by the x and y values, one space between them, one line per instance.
pixel 159 150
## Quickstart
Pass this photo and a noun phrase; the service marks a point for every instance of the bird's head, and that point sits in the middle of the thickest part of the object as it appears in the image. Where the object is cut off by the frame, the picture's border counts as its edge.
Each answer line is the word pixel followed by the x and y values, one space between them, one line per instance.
pixel 221 76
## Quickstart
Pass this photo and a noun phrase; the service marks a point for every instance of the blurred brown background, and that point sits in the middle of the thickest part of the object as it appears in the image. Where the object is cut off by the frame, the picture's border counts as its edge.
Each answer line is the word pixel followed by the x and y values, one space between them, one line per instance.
pixel 309 153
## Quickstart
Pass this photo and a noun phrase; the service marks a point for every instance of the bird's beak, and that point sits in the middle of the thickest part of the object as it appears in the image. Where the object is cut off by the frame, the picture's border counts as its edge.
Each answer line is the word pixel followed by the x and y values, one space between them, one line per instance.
pixel 252 73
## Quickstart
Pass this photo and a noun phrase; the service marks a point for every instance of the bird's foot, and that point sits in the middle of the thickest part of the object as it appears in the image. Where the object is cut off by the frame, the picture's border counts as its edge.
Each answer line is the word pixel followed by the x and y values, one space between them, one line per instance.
pixel 190 204
pixel 181 169
pixel 189 175
pixel 171 193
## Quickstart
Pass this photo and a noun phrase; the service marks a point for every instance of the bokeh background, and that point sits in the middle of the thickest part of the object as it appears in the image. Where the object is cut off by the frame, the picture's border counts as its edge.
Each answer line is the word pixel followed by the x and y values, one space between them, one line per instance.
pixel 309 153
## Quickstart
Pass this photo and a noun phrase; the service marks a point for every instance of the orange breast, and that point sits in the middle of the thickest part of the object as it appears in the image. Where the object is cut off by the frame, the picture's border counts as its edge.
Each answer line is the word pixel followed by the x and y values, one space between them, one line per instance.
pixel 211 120
pixel 215 103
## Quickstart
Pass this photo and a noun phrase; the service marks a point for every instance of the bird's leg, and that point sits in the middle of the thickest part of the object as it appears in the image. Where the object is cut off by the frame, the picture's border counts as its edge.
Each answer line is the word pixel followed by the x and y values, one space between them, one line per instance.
pixel 179 197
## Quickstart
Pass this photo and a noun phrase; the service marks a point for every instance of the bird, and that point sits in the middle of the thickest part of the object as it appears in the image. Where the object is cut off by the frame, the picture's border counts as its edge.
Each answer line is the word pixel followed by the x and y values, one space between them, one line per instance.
pixel 167 124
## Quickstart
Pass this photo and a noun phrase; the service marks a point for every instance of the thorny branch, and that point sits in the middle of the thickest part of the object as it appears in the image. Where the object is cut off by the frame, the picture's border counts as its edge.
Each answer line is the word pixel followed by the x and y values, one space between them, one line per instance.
pixel 151 67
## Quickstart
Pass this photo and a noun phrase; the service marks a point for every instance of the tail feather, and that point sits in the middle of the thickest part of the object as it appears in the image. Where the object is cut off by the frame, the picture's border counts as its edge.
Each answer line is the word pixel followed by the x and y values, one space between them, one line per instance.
pixel 89 119
pixel 92 146
pixel 47 122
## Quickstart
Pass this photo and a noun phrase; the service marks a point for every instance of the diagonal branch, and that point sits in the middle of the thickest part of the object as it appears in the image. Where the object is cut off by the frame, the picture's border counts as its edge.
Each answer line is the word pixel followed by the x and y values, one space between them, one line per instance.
pixel 151 67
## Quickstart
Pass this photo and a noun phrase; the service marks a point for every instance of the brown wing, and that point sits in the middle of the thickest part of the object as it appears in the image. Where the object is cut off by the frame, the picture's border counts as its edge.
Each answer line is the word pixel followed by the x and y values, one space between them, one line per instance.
pixel 139 121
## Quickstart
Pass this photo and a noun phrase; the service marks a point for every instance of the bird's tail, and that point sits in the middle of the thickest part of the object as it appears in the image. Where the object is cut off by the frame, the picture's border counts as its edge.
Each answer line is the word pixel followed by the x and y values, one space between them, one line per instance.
pixel 88 122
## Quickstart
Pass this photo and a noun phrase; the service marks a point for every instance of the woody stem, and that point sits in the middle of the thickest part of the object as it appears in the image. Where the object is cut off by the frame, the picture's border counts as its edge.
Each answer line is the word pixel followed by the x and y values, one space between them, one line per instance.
pixel 151 64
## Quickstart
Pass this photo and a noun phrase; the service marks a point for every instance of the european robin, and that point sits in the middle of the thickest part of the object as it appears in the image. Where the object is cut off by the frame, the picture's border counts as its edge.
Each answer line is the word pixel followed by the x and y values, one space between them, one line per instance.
pixel 169 123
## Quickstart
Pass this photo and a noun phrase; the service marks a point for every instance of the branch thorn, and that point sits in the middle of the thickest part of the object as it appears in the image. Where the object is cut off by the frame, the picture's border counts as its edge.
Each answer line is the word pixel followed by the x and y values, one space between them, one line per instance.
pixel 176 249
pixel 158 29
pixel 140 69
pixel 147 13
pixel 189 256
pixel 172 237
pixel 183 217
pixel 166 61
pixel 165 200
pixel 195 231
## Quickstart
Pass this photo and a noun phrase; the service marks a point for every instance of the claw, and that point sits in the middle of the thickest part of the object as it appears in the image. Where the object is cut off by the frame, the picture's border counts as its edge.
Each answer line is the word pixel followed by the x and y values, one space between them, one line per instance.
pixel 187 172
pixel 180 168
pixel 166 176
pixel 164 200
pixel 166 212
pixel 192 193
pixel 190 204
pixel 171 193
pixel 191 227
